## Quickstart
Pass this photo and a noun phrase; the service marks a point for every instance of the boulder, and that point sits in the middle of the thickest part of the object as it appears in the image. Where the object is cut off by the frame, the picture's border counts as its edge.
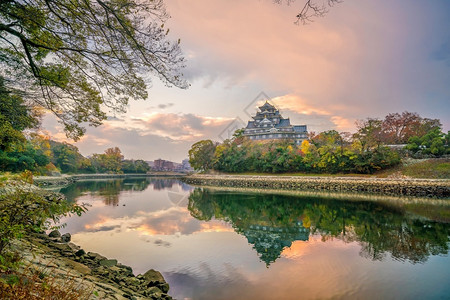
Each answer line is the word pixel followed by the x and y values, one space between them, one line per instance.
pixel 95 256
pixel 153 276
pixel 63 248
pixel 108 262
pixel 65 238
pixel 80 252
pixel 54 234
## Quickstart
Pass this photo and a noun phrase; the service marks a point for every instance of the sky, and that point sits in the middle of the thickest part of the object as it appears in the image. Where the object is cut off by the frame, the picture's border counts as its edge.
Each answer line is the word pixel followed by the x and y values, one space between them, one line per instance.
pixel 363 59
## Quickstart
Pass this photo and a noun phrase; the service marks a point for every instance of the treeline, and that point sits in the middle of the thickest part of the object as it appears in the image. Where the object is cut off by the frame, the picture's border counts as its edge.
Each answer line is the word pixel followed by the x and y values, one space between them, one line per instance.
pixel 366 151
pixel 43 156
pixel 39 154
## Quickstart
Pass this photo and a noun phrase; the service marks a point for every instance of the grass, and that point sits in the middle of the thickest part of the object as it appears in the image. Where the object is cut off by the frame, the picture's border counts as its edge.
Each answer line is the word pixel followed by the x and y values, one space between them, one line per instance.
pixel 39 283
pixel 438 168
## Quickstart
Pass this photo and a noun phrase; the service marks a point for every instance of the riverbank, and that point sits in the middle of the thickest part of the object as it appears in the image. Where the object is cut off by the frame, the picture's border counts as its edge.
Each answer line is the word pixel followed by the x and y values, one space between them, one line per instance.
pixel 91 275
pixel 51 181
pixel 436 188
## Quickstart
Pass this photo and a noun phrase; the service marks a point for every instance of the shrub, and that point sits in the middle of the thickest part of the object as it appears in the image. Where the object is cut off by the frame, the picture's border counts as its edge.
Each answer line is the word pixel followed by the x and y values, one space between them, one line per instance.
pixel 25 208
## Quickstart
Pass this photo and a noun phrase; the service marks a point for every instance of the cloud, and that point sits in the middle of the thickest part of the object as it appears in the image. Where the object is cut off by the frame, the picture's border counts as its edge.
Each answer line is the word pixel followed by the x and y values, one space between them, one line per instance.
pixel 154 135
pixel 163 106
pixel 179 127
pixel 349 64
pixel 298 105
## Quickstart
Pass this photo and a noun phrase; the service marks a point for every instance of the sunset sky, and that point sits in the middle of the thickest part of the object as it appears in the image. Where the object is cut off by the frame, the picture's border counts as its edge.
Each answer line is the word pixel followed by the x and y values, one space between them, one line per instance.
pixel 364 59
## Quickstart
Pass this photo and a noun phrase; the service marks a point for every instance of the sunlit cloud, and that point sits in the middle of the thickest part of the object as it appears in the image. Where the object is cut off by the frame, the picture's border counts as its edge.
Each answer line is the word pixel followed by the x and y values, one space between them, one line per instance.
pixel 343 124
pixel 299 105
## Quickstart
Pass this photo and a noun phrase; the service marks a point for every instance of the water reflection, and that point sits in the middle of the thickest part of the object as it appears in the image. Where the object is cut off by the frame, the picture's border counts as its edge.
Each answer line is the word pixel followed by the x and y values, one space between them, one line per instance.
pixel 109 190
pixel 272 222
pixel 213 244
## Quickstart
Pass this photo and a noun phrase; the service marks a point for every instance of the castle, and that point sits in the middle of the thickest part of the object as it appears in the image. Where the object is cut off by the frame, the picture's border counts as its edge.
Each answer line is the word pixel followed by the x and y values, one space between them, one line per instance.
pixel 268 124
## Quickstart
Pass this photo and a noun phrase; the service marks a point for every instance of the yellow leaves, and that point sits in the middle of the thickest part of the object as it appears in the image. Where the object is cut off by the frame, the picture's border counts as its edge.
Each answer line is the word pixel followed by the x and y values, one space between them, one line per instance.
pixel 306 222
pixel 305 147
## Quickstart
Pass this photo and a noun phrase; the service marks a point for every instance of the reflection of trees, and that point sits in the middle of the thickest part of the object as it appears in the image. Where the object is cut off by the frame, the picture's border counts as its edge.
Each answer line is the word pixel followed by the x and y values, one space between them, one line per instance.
pixel 262 219
pixel 108 190
pixel 161 184
pixel 272 222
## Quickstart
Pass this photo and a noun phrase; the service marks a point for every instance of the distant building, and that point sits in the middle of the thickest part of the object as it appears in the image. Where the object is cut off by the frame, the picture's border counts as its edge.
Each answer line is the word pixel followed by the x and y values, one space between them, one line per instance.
pixel 268 124
pixel 163 165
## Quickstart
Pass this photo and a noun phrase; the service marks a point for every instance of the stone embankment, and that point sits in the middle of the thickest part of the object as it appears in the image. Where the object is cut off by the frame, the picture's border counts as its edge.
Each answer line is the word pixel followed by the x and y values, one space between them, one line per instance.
pixel 103 278
pixel 50 181
pixel 394 187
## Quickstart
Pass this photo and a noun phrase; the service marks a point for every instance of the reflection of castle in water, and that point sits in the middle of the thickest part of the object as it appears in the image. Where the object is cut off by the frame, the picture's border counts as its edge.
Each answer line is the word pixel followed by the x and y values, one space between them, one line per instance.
pixel 269 241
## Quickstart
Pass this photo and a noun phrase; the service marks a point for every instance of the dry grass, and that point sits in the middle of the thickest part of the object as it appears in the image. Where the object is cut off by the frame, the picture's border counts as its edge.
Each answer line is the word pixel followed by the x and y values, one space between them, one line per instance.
pixel 40 283
pixel 438 168
pixel 434 168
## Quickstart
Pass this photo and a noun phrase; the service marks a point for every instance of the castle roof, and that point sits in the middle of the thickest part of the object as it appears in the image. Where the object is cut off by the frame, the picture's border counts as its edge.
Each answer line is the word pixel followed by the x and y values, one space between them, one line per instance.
pixel 267 107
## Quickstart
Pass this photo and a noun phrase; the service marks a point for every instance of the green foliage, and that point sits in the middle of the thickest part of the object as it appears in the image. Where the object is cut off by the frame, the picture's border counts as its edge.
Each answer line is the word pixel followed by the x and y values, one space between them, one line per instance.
pixel 23 157
pixel 108 162
pixel 134 166
pixel 24 208
pixel 66 157
pixel 79 57
pixel 328 152
pixel 434 142
pixel 15 116
pixel 378 227
pixel 201 155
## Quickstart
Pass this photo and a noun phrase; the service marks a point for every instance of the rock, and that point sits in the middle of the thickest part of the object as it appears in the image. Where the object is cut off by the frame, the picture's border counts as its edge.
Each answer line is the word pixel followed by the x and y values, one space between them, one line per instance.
pixel 164 287
pixel 74 247
pixel 154 292
pixel 65 238
pixel 80 252
pixel 108 262
pixel 153 276
pixel 95 256
pixel 54 234
pixel 62 247
pixel 131 281
pixel 126 268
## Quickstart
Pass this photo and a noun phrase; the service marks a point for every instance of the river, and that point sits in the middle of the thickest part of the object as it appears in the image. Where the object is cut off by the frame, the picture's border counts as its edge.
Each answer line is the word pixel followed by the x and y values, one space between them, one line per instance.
pixel 224 244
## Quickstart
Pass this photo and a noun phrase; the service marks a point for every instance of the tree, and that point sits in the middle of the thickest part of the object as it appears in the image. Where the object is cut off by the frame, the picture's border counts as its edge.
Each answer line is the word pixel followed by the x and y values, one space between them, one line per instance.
pixel 23 157
pixel 15 116
pixel 398 128
pixel 134 166
pixel 434 142
pixel 311 9
pixel 112 159
pixel 201 155
pixel 66 157
pixel 369 133
pixel 77 57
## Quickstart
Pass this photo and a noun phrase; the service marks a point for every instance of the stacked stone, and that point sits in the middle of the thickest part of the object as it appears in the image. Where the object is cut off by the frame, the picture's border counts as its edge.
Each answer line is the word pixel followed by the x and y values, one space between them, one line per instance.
pixel 112 279
pixel 395 187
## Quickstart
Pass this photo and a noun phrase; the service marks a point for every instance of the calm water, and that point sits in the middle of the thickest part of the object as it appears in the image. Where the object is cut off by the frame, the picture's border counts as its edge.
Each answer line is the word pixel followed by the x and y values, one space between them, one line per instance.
pixel 212 244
